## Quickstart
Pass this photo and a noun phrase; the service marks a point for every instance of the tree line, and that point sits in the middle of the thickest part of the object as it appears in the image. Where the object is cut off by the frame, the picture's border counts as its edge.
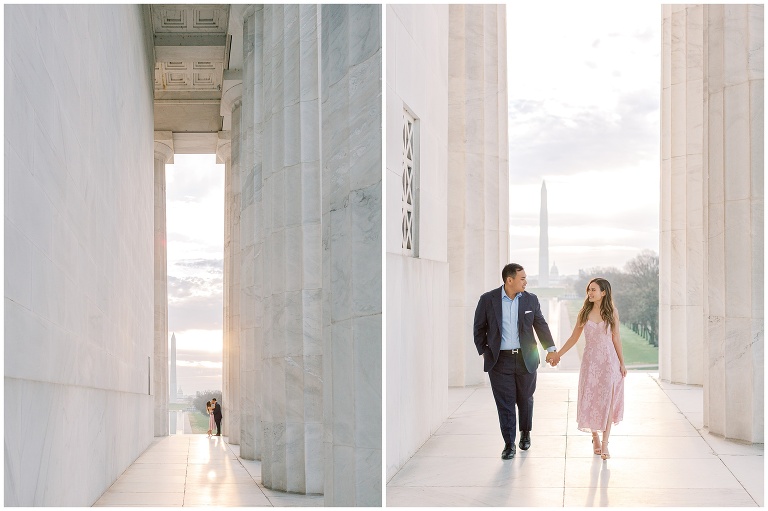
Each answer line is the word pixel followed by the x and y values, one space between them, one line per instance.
pixel 635 293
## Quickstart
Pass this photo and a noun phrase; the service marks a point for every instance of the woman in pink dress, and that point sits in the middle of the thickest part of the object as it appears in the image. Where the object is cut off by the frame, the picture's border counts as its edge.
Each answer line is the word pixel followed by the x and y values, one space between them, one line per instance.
pixel 211 423
pixel 601 377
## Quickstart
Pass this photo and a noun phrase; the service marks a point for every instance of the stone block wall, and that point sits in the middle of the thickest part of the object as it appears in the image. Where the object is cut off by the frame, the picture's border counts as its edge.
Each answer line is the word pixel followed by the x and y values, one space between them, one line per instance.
pixel 79 215
pixel 417 287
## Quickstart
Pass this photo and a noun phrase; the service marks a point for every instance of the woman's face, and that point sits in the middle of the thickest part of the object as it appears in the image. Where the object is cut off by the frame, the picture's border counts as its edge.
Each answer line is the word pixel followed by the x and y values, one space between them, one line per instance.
pixel 594 294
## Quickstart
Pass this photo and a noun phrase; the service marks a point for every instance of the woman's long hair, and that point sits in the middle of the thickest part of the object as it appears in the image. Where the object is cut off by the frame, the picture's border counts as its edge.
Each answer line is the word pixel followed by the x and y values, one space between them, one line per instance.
pixel 606 305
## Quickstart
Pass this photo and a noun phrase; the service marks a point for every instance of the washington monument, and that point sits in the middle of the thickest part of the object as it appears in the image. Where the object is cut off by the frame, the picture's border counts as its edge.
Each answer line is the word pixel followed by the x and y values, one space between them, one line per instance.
pixel 543 239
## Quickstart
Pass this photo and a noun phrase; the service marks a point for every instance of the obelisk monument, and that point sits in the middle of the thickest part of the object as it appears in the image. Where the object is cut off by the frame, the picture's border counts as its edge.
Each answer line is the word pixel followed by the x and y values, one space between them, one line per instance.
pixel 543 239
pixel 173 386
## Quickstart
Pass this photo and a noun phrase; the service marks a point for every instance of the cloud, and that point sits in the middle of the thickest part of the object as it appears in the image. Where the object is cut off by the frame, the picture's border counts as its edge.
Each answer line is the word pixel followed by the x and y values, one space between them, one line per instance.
pixel 558 139
pixel 196 312
pixel 194 178
pixel 203 364
pixel 211 265
pixel 182 288
pixel 191 357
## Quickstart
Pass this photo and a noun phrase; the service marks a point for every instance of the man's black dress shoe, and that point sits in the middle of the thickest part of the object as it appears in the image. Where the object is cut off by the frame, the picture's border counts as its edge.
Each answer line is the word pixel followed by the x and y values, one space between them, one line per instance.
pixel 525 440
pixel 509 452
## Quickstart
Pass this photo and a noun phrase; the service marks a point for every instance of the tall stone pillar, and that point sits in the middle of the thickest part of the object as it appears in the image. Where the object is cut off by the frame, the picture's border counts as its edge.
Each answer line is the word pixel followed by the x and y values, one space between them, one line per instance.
pixel 229 407
pixel 352 293
pixel 682 241
pixel 230 108
pixel 711 276
pixel 292 280
pixel 163 155
pixel 251 244
pixel 478 174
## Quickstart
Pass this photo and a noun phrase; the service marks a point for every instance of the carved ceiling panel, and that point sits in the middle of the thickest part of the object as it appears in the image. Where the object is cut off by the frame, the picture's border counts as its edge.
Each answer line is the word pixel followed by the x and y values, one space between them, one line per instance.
pixel 190 18
pixel 191 51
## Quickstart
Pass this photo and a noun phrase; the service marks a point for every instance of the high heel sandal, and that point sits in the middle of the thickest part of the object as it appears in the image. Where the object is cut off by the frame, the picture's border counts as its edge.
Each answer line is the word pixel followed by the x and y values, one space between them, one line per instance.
pixel 605 455
pixel 595 448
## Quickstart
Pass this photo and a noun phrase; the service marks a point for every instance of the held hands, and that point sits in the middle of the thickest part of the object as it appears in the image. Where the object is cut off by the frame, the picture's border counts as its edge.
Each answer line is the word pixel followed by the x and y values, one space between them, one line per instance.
pixel 553 358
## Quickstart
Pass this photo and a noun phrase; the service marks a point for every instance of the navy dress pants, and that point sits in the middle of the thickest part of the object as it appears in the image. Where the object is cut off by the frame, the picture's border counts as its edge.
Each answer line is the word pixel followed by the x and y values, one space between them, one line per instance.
pixel 512 385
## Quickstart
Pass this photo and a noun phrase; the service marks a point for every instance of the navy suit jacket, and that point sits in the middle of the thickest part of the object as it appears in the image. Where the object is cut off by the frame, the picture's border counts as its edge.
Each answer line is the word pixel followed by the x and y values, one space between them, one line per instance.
pixel 217 412
pixel 487 328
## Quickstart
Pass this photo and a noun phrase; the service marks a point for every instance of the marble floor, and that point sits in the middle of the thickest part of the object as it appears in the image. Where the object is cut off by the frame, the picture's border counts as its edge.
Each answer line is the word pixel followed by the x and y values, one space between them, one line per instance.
pixel 194 470
pixel 660 454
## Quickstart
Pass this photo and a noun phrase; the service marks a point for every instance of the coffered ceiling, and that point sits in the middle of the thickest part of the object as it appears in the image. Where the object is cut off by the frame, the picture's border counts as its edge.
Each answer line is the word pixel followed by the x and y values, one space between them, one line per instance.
pixel 191 53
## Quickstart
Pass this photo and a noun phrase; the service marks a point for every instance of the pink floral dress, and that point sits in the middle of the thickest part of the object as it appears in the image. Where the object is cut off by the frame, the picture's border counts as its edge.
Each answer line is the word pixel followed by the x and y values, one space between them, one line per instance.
pixel 601 386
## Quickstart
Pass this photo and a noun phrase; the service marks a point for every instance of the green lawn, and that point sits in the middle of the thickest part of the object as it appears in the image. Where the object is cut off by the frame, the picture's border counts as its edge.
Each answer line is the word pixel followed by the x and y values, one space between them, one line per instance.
pixel 637 351
pixel 199 422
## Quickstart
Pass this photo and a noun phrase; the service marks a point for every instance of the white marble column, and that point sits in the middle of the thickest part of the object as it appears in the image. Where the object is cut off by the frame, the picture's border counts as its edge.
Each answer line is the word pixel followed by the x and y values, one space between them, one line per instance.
pixel 251 245
pixel 224 156
pixel 351 156
pixel 163 155
pixel 478 174
pixel 292 280
pixel 682 202
pixel 231 105
pixel 711 307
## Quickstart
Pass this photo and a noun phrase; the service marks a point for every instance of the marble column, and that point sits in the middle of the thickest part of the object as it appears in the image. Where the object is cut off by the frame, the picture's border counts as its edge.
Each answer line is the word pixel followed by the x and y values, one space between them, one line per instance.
pixel 712 276
pixel 292 352
pixel 251 245
pixel 163 155
pixel 230 409
pixel 231 396
pixel 682 243
pixel 351 157
pixel 478 174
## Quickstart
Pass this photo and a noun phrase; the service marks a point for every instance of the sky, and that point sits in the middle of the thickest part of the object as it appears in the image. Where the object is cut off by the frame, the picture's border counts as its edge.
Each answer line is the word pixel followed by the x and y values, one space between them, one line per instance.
pixel 584 103
pixel 195 226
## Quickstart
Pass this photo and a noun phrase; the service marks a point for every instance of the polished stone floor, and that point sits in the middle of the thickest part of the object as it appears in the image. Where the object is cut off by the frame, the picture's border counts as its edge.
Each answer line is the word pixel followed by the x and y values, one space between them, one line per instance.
pixel 660 454
pixel 194 470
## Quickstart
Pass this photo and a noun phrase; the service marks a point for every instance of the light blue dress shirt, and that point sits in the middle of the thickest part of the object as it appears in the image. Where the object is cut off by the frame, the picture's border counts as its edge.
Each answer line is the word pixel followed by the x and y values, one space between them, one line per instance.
pixel 510 336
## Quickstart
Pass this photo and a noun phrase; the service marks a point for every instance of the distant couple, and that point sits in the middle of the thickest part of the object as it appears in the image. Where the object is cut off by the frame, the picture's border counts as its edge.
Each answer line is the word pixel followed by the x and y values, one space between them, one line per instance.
pixel 505 320
pixel 214 414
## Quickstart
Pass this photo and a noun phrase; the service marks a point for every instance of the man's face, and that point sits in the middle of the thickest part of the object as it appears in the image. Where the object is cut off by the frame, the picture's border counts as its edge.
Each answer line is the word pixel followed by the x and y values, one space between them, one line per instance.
pixel 516 284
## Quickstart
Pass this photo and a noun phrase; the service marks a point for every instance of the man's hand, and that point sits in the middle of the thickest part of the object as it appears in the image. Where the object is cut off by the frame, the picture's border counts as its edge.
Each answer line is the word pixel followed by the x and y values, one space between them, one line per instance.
pixel 553 358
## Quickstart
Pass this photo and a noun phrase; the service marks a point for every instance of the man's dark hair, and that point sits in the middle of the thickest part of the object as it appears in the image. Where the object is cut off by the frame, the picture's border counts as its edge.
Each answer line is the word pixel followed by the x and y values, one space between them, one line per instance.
pixel 510 270
pixel 214 399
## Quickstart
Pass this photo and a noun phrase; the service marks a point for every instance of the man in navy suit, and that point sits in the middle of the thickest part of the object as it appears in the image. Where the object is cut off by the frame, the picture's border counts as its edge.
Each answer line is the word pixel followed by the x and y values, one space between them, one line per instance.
pixel 505 320
pixel 217 416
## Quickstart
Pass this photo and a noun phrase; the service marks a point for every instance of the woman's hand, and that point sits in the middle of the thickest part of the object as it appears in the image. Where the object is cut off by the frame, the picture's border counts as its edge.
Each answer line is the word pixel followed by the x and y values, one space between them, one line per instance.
pixel 623 370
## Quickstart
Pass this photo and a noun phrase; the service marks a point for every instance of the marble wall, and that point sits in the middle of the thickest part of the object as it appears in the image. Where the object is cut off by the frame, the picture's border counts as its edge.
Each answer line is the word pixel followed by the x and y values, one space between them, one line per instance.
pixel 417 287
pixel 78 223
pixel 712 233
pixel 478 174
